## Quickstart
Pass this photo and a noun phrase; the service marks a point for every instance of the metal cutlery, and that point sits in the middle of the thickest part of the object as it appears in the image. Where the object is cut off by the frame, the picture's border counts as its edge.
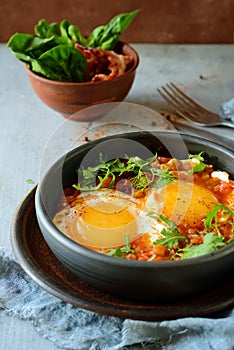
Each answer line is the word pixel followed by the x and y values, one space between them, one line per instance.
pixel 189 109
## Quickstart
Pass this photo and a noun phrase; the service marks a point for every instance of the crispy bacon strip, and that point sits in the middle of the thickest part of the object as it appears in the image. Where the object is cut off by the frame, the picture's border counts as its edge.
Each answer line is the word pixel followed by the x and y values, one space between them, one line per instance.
pixel 104 64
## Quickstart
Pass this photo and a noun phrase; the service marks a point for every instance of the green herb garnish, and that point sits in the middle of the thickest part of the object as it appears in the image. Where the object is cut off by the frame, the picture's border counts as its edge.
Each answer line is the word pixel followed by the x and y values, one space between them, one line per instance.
pixel 165 177
pixel 212 240
pixel 212 216
pixel 199 166
pixel 136 170
pixel 51 51
pixel 210 244
pixel 172 237
pixel 102 171
pixel 118 252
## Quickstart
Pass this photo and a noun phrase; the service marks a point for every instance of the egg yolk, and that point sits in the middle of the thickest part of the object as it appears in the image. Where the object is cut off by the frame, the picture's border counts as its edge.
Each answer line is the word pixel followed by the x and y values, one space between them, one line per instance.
pixel 106 224
pixel 107 216
pixel 185 202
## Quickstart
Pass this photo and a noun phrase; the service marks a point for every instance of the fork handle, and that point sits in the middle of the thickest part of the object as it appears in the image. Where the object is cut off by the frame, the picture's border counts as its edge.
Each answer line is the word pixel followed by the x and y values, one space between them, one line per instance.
pixel 221 140
pixel 227 123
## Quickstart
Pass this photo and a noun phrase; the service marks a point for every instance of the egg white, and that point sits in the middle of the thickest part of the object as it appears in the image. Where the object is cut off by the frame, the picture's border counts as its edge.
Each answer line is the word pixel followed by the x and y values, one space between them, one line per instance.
pixel 70 219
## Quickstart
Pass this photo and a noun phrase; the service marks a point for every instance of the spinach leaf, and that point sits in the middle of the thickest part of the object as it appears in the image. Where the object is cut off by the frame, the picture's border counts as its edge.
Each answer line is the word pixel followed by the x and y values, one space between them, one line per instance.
pixel 51 52
pixel 53 57
pixel 45 30
pixel 26 47
pixel 61 63
pixel 106 37
pixel 72 32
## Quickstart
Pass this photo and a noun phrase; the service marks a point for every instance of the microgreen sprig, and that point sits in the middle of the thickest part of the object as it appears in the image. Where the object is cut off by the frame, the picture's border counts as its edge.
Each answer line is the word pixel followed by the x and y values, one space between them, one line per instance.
pixel 199 166
pixel 138 171
pixel 165 177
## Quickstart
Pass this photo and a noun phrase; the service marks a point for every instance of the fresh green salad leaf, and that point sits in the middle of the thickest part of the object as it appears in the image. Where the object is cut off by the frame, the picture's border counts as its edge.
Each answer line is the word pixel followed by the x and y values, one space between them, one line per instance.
pixel 29 47
pixel 105 37
pixel 45 30
pixel 61 61
pixel 56 42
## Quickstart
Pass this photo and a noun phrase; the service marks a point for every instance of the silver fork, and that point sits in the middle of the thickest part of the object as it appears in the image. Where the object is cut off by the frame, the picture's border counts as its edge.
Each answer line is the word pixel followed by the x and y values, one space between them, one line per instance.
pixel 189 109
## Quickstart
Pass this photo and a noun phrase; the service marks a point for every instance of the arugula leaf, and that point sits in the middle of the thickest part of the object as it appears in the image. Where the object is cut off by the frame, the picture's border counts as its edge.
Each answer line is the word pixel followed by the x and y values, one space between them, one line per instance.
pixel 118 252
pixel 105 37
pixel 172 237
pixel 141 181
pixel 64 26
pixel 211 243
pixel 139 167
pixel 212 216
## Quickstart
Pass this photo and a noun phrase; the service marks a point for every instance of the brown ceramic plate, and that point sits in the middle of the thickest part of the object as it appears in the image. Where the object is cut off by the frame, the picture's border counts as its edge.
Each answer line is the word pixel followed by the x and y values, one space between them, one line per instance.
pixel 37 260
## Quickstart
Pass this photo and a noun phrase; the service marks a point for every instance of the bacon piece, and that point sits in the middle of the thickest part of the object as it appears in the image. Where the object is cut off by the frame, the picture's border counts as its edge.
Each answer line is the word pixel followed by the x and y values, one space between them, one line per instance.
pixel 104 64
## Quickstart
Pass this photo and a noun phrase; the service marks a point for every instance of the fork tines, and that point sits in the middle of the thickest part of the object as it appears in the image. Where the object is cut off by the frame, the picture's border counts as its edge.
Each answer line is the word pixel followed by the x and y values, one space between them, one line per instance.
pixel 189 109
pixel 182 103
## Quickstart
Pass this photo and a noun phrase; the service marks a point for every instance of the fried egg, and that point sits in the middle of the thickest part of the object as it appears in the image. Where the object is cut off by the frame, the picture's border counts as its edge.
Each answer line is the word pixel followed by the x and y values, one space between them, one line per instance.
pixel 184 202
pixel 103 218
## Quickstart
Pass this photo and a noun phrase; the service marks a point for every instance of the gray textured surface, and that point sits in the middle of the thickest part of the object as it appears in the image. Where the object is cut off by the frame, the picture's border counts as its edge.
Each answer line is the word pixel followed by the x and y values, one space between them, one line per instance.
pixel 27 125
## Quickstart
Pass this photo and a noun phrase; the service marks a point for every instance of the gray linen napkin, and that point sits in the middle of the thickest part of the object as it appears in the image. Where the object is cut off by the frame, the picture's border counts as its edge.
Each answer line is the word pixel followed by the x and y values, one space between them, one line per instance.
pixel 227 110
pixel 73 328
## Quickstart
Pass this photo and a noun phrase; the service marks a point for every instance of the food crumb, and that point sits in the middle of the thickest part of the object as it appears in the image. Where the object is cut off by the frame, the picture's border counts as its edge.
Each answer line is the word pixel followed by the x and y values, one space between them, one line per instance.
pixel 202 77
pixel 30 181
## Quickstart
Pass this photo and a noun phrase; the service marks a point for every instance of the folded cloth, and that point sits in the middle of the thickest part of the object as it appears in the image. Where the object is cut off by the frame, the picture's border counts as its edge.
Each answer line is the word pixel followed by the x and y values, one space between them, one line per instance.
pixel 70 327
pixel 227 110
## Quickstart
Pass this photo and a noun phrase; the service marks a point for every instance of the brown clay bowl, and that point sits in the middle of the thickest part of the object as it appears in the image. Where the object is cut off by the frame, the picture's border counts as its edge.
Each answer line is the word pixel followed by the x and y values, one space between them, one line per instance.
pixel 147 281
pixel 69 98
